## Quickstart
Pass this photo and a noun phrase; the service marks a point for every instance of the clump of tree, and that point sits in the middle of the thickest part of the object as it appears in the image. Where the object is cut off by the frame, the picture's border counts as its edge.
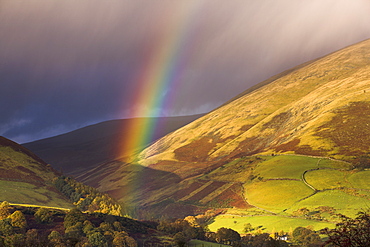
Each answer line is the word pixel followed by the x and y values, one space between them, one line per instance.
pixel 181 230
pixel 87 198
pixel 350 232
pixel 227 236
pixel 43 215
pixel 202 220
pixel 80 229
pixel 303 236
pixel 263 239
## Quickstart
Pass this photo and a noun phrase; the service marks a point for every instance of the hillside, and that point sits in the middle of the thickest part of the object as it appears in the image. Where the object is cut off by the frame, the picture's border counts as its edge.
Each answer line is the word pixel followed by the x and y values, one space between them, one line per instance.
pixel 84 148
pixel 319 109
pixel 27 180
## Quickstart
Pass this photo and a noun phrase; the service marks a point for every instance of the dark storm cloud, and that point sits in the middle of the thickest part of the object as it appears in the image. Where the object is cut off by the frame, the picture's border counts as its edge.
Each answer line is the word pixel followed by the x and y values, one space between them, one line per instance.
pixel 65 64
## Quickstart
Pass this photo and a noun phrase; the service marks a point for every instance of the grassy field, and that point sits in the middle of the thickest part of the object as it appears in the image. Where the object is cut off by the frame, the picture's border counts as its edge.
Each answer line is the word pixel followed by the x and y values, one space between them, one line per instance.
pixel 360 179
pixel 327 179
pixel 267 223
pixel 199 243
pixel 286 166
pixel 26 193
pixel 344 203
pixel 284 185
pixel 276 195
pixel 27 180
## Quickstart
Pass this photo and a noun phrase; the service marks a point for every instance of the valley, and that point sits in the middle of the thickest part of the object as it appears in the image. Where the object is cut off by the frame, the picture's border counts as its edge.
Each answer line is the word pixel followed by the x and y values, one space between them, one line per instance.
pixel 291 152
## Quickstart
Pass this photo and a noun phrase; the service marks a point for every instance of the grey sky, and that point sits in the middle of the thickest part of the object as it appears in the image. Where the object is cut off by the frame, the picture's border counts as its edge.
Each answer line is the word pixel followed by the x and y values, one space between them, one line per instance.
pixel 66 64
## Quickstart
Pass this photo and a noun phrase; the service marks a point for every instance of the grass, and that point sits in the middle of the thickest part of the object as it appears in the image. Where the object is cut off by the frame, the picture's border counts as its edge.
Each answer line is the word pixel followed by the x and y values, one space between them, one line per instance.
pixel 327 179
pixel 235 171
pixel 25 180
pixel 268 223
pixel 199 243
pixel 341 201
pixel 285 166
pixel 360 179
pixel 276 195
pixel 26 193
pixel 278 190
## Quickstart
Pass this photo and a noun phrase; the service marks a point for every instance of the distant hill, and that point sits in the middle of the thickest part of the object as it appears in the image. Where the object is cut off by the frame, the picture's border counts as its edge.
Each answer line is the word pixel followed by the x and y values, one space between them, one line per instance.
pixel 85 148
pixel 316 110
pixel 26 179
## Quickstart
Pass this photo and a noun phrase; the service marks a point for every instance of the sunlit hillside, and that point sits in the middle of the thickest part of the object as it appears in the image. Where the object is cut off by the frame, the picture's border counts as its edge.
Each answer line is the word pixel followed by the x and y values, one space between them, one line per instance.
pixel 317 110
pixel 27 180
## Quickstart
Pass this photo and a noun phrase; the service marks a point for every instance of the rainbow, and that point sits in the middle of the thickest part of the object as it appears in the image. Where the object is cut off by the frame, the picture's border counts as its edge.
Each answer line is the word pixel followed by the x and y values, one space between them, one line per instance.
pixel 161 73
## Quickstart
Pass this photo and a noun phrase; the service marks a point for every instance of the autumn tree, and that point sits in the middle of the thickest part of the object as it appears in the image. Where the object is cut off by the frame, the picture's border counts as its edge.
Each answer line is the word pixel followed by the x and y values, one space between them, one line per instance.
pixel 131 242
pixel 351 232
pixel 56 239
pixel 15 240
pixel 306 237
pixel 97 239
pixel 18 220
pixel 72 217
pixel 33 239
pixel 74 233
pixel 4 210
pixel 87 227
pixel 43 215
pixel 227 235
pixel 6 227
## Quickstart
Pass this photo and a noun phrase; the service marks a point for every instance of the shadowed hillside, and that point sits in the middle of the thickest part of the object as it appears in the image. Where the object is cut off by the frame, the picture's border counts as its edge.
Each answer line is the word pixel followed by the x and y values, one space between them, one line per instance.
pixel 87 147
pixel 321 108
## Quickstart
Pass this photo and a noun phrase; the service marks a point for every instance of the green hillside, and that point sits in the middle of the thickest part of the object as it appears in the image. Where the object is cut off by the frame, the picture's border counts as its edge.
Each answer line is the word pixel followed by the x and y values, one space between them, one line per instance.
pixel 27 180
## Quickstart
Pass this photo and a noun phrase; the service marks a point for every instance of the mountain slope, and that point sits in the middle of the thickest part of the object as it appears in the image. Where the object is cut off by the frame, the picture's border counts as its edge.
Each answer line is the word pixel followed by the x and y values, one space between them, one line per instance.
pixel 26 179
pixel 84 148
pixel 321 108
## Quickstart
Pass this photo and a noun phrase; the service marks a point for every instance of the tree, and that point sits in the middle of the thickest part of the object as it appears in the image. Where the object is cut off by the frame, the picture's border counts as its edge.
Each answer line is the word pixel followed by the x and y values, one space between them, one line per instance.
pixel 4 210
pixel 118 226
pixel 180 239
pixel 224 235
pixel 351 232
pixel 87 227
pixel 6 227
pixel 119 239
pixel 33 238
pixel 262 240
pixel 248 227
pixel 56 239
pixel 18 220
pixel 15 240
pixel 73 234
pixel 130 242
pixel 43 215
pixel 72 217
pixel 306 237
pixel 97 239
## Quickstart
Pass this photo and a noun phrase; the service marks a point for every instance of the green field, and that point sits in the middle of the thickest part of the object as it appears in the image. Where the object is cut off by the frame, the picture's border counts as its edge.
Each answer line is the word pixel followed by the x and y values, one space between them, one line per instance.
pixel 286 166
pixel 343 202
pixel 26 193
pixel 268 223
pixel 283 185
pixel 327 179
pixel 360 180
pixel 276 195
pixel 199 243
